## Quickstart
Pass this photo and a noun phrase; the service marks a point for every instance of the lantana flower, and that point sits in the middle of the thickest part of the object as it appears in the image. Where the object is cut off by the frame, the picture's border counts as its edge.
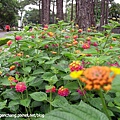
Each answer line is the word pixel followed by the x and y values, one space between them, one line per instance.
pixel 63 91
pixel 12 67
pixel 9 42
pixel 75 66
pixel 18 38
pixel 20 87
pixel 53 89
pixel 10 78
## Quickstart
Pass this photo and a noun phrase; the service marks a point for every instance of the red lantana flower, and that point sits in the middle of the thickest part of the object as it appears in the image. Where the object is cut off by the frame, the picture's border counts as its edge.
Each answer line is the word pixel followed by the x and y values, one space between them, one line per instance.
pixel 63 91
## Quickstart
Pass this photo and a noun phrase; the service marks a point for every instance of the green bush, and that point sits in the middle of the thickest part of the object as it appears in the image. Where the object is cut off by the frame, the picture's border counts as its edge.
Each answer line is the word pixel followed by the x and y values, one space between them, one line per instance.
pixel 3 41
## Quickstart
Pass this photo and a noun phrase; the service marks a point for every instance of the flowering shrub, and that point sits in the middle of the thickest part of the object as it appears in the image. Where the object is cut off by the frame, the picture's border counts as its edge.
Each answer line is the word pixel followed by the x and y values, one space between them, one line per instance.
pixel 56 67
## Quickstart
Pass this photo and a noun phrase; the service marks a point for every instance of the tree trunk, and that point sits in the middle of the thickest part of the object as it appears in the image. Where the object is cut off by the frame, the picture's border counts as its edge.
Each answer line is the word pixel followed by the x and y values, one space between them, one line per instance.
pixel 96 5
pixel 91 14
pixel 59 4
pixel 106 11
pixel 82 18
pixel 45 12
pixel 40 12
pixel 72 11
pixel 66 11
pixel 53 13
pixel 102 17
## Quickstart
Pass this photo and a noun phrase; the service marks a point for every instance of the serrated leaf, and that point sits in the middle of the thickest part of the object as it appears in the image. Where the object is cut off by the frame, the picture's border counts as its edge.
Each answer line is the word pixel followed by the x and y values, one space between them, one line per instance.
pixel 36 82
pixel 27 69
pixel 39 96
pixel 13 103
pixel 59 101
pixel 72 85
pixel 10 94
pixel 116 83
pixel 25 102
pixel 38 71
pixel 76 112
pixel 3 104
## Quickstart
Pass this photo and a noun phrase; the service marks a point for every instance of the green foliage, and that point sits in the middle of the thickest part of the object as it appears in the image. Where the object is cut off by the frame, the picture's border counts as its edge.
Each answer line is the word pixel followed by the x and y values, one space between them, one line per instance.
pixel 75 112
pixel 41 59
pixel 3 41
pixel 8 12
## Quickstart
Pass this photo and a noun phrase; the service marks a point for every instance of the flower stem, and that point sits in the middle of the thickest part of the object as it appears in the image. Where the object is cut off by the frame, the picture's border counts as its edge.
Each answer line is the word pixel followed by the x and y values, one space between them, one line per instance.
pixel 50 101
pixel 104 104
pixel 85 98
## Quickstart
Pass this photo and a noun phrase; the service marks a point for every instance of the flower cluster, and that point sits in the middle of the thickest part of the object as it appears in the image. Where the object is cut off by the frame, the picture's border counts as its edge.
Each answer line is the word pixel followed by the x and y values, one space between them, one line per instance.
pixel 75 66
pixel 12 67
pixel 81 92
pixel 20 87
pixel 86 46
pixel 97 77
pixel 9 42
pixel 10 78
pixel 53 89
pixel 51 34
pixel 63 91
pixel 18 38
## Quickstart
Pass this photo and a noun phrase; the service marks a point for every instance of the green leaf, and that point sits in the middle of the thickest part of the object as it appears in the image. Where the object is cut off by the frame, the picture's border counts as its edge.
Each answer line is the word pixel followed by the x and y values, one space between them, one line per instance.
pixel 67 77
pixel 106 26
pixel 5 81
pixel 59 101
pixel 90 51
pixel 25 102
pixel 9 93
pixel 72 85
pixel 96 34
pixel 116 83
pixel 43 43
pixel 3 104
pixel 36 104
pixel 39 96
pixel 69 55
pixel 36 82
pixel 27 69
pixel 96 102
pixel 31 78
pixel 47 75
pixel 38 71
pixel 9 118
pixel 13 103
pixel 53 79
pixel 75 112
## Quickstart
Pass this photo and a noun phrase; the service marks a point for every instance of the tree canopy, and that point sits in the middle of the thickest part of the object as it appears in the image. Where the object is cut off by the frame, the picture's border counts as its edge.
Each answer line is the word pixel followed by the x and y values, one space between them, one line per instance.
pixel 8 12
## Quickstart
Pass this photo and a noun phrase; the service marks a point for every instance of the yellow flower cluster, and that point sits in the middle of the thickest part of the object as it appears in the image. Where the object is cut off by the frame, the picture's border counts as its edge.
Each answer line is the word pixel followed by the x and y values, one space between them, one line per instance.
pixel 10 78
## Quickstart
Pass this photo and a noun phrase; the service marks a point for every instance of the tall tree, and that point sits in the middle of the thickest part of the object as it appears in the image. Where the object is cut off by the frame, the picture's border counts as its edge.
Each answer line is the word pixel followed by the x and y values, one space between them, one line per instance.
pixel 60 14
pixel 72 10
pixel 8 12
pixel 45 12
pixel 104 13
pixel 37 3
pixel 91 12
pixel 53 11
pixel 82 18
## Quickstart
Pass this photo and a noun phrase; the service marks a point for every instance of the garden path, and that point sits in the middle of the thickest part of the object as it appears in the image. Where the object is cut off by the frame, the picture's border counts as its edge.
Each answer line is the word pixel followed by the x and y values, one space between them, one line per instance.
pixel 3 34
